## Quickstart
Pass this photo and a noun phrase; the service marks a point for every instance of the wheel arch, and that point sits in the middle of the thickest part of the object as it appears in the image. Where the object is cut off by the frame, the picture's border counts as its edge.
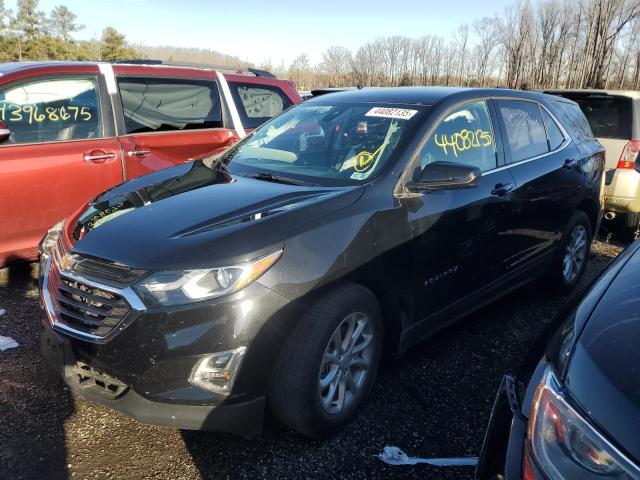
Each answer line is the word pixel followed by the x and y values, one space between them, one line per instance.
pixel 392 306
pixel 588 206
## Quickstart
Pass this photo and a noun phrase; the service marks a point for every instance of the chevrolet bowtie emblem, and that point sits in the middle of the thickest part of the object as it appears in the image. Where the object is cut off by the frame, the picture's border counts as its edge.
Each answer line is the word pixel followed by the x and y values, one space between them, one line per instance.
pixel 68 262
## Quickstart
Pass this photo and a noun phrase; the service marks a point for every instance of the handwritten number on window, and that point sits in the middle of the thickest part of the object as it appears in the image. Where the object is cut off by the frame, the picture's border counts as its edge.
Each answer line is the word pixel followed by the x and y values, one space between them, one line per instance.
pixel 35 114
pixel 463 141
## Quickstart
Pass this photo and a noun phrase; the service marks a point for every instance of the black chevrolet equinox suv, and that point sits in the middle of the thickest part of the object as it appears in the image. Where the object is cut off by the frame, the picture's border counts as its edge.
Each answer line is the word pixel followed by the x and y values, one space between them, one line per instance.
pixel 277 272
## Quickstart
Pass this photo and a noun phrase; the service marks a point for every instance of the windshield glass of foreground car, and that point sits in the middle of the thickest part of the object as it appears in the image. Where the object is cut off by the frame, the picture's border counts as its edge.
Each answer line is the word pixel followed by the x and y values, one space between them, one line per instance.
pixel 324 144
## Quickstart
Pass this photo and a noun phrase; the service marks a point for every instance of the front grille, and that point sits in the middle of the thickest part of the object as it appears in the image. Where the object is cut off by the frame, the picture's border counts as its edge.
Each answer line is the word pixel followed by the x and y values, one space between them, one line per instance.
pixel 81 305
pixel 108 272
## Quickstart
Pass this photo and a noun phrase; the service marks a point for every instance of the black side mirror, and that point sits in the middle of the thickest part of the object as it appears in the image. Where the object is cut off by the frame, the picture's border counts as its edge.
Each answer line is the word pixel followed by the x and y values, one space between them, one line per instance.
pixel 446 176
pixel 5 133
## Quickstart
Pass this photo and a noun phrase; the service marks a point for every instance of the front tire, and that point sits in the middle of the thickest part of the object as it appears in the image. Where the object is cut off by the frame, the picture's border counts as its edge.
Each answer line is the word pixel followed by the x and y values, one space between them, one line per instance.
pixel 573 253
pixel 328 364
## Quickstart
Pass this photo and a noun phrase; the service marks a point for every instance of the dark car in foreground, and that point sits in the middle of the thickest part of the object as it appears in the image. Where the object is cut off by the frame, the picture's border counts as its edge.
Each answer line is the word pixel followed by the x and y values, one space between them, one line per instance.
pixel 277 272
pixel 573 410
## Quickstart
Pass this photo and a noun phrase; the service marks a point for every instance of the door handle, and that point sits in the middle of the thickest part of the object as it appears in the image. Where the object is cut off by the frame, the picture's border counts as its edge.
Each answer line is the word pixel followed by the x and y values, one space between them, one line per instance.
pixel 569 163
pixel 138 153
pixel 501 189
pixel 98 157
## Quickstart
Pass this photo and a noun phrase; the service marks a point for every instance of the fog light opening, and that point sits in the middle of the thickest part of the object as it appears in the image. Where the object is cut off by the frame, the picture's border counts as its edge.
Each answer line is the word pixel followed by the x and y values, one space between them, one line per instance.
pixel 217 372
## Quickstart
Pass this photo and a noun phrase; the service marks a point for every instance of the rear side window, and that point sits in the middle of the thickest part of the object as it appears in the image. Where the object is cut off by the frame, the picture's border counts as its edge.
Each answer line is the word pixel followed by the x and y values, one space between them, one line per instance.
pixel 258 103
pixel 465 135
pixel 153 105
pixel 525 131
pixel 554 134
pixel 608 117
pixel 51 110
pixel 574 120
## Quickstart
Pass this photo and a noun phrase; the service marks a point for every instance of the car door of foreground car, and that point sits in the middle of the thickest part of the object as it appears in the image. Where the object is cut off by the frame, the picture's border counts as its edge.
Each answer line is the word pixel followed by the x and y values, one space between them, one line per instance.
pixel 544 164
pixel 61 153
pixel 458 233
pixel 168 121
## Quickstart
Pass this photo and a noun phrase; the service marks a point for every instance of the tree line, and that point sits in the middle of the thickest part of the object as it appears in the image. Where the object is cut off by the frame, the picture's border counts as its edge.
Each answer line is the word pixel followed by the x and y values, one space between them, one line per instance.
pixel 549 44
pixel 32 34
pixel 546 44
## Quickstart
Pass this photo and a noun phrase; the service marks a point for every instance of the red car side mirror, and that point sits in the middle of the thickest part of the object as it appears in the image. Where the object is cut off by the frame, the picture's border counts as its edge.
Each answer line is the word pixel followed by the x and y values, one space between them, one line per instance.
pixel 5 133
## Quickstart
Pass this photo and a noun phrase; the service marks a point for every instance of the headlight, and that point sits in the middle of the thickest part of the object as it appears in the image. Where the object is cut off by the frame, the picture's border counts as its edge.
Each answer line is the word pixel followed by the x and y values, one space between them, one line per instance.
pixel 187 286
pixel 51 238
pixel 566 446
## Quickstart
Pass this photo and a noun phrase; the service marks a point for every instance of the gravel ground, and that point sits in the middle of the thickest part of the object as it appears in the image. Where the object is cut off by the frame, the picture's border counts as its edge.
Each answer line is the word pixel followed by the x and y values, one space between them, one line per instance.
pixel 434 402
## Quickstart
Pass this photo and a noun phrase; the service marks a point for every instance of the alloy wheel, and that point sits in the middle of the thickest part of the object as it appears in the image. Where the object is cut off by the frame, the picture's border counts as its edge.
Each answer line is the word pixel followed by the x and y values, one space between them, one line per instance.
pixel 347 363
pixel 575 253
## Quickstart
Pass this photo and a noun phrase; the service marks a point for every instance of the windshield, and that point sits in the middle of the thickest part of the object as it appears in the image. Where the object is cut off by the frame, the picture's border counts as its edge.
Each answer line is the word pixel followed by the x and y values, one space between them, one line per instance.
pixel 327 145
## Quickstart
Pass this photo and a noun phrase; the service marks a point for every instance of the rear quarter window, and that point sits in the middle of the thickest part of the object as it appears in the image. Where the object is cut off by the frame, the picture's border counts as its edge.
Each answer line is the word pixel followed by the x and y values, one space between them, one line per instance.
pixel 258 103
pixel 554 134
pixel 573 120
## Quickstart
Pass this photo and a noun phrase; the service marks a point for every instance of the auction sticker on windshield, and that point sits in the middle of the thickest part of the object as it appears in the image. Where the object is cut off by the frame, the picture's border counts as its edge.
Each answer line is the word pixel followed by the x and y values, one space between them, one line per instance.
pixel 386 112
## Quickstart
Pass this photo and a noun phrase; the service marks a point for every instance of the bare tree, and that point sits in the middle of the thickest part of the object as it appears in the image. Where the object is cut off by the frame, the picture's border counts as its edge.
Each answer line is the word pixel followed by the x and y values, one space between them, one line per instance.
pixel 336 65
pixel 550 43
pixel 486 32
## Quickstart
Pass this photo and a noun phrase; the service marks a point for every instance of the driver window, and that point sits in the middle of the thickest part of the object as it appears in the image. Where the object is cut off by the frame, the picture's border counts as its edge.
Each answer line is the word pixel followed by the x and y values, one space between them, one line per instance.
pixel 464 136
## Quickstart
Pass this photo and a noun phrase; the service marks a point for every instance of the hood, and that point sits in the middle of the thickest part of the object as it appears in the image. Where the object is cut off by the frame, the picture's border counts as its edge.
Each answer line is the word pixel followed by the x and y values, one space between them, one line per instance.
pixel 603 374
pixel 197 215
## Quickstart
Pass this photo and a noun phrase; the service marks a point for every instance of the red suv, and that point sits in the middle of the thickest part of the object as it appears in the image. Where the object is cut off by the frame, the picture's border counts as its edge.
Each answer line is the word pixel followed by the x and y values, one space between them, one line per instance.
pixel 71 130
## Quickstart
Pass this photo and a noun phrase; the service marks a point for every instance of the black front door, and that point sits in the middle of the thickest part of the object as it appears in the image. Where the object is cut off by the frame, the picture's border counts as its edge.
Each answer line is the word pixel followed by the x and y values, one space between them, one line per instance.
pixel 458 234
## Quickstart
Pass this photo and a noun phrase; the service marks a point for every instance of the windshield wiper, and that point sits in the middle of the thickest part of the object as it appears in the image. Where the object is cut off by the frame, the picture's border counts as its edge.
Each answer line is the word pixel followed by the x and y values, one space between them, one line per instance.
pixel 270 177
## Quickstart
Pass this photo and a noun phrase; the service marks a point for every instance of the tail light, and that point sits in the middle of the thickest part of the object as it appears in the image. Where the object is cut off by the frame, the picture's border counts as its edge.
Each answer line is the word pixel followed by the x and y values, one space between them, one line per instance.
pixel 629 154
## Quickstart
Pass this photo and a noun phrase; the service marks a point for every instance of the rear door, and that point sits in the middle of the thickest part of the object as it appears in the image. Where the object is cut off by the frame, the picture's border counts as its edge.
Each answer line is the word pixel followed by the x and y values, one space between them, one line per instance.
pixel 61 153
pixel 169 121
pixel 544 164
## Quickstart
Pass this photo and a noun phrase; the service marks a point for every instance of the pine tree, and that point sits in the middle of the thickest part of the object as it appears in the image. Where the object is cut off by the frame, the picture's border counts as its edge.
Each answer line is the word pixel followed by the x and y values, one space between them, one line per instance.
pixel 113 46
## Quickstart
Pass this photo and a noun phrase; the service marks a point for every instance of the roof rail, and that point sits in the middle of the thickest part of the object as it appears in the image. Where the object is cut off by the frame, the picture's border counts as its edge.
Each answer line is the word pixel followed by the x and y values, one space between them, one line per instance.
pixel 231 68
pixel 138 61
pixel 261 73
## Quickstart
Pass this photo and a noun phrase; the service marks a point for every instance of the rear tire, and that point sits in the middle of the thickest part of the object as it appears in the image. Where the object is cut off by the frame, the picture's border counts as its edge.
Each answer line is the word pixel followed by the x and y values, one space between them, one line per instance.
pixel 328 364
pixel 630 223
pixel 572 255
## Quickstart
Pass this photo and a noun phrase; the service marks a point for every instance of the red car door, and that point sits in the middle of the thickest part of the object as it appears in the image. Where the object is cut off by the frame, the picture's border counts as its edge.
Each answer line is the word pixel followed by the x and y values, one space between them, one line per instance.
pixel 169 120
pixel 61 152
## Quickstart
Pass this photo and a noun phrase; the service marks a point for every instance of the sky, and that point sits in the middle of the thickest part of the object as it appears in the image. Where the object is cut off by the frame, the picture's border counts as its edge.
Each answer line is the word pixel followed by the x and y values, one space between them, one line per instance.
pixel 272 31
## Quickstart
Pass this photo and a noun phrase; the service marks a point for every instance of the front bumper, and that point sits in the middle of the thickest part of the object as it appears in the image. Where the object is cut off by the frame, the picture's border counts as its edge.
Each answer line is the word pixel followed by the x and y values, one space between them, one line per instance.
pixel 242 418
pixel 505 442
pixel 143 365
pixel 503 447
